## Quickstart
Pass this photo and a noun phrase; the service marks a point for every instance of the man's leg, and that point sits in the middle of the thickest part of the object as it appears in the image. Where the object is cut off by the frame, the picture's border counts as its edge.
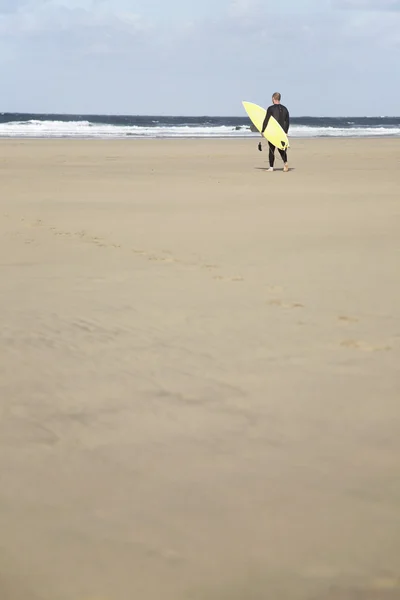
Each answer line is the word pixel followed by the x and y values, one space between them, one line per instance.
pixel 284 157
pixel 271 155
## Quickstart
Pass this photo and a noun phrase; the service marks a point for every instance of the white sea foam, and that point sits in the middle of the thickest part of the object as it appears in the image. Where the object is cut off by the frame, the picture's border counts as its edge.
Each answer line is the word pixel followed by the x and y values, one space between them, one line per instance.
pixel 86 129
pixel 306 131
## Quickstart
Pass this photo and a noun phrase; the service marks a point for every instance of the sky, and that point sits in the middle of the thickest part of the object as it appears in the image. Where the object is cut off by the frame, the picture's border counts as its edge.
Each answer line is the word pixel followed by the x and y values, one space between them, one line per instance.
pixel 180 57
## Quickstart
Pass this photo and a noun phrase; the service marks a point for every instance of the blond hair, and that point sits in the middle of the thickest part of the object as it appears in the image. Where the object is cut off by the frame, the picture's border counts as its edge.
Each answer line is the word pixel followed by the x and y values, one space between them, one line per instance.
pixel 277 96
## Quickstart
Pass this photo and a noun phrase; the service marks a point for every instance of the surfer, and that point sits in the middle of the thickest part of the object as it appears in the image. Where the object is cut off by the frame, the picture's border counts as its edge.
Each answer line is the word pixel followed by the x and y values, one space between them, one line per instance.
pixel 281 114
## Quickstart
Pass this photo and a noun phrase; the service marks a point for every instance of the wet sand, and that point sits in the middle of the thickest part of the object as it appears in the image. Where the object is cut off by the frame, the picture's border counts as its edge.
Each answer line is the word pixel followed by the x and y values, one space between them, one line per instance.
pixel 199 371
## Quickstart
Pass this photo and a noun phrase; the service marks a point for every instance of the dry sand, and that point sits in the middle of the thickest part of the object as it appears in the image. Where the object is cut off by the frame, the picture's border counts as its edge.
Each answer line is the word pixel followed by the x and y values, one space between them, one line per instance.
pixel 199 371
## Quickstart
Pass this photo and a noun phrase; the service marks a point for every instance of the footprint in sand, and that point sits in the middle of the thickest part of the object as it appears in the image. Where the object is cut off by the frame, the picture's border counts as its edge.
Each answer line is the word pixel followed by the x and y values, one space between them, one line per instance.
pixel 222 278
pixel 363 346
pixel 284 304
pixel 62 233
pixel 162 259
pixel 105 245
pixel 98 241
pixel 345 319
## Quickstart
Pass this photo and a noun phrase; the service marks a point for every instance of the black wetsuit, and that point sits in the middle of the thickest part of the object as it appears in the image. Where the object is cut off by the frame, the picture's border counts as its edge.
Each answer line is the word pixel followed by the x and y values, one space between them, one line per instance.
pixel 281 114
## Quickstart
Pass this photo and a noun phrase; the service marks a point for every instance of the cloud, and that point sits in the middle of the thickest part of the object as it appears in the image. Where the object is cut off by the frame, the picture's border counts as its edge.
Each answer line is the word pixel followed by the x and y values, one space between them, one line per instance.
pixel 11 6
pixel 101 56
pixel 243 8
pixel 25 18
pixel 374 5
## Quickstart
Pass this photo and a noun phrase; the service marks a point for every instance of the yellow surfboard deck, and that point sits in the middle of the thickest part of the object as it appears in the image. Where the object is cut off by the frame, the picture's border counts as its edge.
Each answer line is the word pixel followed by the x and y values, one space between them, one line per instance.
pixel 274 132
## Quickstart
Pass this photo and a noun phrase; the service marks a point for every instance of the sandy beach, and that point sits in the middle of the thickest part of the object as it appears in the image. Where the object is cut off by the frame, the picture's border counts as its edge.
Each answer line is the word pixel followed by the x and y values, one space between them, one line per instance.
pixel 199 371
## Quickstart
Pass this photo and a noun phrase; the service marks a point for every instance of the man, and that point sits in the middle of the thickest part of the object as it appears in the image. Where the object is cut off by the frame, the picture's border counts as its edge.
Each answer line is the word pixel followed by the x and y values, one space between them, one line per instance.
pixel 281 114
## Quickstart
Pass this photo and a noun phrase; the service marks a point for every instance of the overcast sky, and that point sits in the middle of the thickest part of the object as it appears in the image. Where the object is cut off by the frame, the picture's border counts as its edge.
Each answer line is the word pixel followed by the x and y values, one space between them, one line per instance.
pixel 180 57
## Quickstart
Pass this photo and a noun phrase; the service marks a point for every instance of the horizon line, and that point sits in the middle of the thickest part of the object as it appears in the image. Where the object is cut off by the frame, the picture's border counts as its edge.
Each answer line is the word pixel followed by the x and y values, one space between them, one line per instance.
pixel 194 116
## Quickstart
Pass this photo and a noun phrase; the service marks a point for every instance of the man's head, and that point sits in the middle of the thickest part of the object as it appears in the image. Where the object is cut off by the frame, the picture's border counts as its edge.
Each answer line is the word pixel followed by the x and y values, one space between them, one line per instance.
pixel 276 98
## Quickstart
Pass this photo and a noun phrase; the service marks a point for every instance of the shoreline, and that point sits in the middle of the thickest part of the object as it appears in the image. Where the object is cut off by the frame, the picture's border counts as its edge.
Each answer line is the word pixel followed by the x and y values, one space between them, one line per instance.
pixel 206 138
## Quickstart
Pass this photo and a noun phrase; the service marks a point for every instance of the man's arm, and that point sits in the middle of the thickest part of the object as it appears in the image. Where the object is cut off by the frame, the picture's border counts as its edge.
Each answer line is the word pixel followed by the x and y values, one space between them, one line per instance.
pixel 266 120
pixel 287 122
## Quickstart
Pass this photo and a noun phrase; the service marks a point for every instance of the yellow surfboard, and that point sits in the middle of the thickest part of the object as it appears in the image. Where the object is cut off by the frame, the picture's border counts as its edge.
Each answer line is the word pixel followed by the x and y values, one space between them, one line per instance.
pixel 274 132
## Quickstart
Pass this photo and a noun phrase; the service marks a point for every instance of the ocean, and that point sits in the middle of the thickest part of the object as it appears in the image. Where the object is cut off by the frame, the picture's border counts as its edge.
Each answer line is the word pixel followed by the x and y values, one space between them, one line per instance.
pixel 16 125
